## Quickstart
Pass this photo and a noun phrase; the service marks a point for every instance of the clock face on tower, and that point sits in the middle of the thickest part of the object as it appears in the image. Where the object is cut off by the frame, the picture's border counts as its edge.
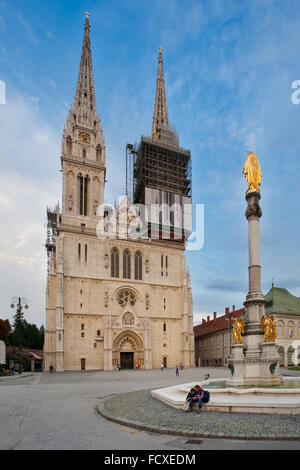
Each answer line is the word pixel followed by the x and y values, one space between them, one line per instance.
pixel 84 138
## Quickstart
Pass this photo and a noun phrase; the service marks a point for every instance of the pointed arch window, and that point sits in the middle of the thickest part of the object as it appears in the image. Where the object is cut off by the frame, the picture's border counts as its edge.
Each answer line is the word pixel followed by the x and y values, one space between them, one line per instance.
pixel 138 265
pixel 83 193
pixel 126 264
pixel 98 153
pixel 69 145
pixel 114 262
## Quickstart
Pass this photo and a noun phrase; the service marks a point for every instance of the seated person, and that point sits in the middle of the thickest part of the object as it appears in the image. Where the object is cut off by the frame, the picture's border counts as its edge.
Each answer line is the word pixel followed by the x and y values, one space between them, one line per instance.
pixel 190 399
pixel 199 392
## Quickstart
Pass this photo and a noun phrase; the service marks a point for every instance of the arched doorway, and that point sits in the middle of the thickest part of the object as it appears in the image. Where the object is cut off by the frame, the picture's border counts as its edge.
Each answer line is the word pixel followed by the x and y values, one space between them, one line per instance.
pixel 128 351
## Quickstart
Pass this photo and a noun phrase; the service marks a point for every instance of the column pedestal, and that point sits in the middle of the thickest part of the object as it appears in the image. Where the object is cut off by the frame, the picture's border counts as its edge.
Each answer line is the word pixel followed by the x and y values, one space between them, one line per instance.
pixel 237 365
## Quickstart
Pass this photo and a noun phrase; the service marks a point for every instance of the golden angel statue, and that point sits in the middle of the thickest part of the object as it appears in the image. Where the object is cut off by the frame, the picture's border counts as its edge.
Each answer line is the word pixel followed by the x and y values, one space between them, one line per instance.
pixel 268 325
pixel 252 173
pixel 238 330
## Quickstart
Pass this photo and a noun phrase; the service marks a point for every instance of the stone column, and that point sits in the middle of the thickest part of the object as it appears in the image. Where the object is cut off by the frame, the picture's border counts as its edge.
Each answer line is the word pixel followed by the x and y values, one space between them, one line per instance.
pixel 255 301
pixel 108 345
pixel 254 362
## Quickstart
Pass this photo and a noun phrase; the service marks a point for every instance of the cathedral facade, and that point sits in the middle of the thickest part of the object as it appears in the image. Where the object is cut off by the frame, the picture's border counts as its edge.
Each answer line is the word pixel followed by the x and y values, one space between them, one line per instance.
pixel 115 300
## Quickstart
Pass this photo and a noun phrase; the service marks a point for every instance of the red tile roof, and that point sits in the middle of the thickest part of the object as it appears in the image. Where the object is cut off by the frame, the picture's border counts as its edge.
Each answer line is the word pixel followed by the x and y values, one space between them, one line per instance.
pixel 217 324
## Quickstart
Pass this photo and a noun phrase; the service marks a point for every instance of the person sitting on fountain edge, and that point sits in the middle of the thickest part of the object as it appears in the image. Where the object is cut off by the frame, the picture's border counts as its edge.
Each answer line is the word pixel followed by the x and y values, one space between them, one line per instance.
pixel 199 392
pixel 191 397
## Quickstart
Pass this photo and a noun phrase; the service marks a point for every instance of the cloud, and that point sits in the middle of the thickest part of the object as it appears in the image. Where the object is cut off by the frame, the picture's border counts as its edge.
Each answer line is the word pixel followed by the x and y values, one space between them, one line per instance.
pixel 29 182
pixel 49 34
pixel 28 30
pixel 231 285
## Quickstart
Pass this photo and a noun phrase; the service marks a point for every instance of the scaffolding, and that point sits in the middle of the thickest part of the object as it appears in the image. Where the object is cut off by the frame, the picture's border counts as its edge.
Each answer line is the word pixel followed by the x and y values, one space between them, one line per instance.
pixel 52 232
pixel 159 165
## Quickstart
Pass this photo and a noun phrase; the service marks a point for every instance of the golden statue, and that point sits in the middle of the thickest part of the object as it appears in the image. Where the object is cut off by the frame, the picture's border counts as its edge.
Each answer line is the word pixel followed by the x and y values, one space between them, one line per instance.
pixel 238 330
pixel 268 325
pixel 252 173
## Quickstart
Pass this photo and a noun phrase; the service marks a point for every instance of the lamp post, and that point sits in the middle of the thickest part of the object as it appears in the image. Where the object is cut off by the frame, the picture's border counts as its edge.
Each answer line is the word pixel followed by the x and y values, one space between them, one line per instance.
pixel 19 302
pixel 231 316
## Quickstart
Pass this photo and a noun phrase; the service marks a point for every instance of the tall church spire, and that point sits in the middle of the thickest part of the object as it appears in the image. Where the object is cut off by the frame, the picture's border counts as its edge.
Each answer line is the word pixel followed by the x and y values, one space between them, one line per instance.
pixel 83 147
pixel 85 99
pixel 161 129
pixel 160 115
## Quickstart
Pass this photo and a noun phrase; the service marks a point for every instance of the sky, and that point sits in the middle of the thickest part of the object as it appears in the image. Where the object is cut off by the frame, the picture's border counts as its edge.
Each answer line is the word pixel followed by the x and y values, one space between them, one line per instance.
pixel 229 68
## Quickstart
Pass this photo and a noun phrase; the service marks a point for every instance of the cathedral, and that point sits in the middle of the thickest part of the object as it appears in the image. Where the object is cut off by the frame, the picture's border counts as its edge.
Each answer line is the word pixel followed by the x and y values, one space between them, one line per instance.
pixel 118 301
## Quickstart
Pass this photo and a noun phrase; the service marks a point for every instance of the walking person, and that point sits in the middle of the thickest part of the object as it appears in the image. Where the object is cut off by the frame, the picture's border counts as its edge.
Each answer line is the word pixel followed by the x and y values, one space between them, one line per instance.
pixel 177 371
pixel 161 366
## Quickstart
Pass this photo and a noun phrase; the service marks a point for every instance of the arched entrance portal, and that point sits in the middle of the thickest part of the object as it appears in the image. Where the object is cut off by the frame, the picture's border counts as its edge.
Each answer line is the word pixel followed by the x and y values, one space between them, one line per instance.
pixel 128 351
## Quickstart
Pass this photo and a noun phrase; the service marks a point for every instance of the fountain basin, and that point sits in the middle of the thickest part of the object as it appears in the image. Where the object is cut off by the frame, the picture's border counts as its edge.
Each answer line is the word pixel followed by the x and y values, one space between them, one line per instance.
pixel 280 399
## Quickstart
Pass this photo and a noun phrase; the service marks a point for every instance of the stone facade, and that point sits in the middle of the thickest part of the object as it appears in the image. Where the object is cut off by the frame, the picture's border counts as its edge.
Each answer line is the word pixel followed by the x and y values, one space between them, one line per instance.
pixel 213 339
pixel 109 301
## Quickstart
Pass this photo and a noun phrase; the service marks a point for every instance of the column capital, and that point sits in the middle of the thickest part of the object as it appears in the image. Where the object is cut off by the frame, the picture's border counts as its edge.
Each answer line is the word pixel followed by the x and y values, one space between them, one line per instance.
pixel 253 209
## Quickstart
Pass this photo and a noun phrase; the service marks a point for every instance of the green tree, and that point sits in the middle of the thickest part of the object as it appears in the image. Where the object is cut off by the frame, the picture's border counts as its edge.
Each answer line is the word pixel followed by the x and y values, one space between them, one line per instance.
pixel 5 330
pixel 32 337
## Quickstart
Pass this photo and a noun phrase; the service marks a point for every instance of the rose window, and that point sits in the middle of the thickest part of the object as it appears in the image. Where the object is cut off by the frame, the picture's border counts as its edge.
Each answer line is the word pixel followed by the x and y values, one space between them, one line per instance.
pixel 126 296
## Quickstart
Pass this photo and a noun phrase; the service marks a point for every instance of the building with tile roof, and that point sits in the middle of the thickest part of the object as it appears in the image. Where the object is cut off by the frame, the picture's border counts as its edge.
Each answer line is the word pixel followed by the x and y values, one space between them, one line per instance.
pixel 213 336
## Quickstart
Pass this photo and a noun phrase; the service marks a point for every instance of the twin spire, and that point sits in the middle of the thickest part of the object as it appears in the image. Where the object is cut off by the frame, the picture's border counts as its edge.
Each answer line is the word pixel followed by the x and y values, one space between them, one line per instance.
pixel 85 98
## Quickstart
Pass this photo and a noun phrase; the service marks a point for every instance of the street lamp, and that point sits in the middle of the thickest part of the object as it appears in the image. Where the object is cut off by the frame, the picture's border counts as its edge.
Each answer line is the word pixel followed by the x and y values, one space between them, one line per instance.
pixel 231 316
pixel 19 302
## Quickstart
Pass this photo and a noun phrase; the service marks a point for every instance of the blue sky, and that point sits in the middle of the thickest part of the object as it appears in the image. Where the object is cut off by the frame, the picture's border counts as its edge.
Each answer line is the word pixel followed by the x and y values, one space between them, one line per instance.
pixel 229 66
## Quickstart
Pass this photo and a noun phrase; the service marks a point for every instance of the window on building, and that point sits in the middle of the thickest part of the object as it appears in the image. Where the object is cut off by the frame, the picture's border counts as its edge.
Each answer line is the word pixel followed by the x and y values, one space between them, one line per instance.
pixel 114 262
pixel 126 264
pixel 83 192
pixel 69 145
pixel 82 335
pixel 98 153
pixel 83 153
pixel 79 251
pixel 98 332
pixel 164 327
pixel 138 275
pixel 95 345
pixel 85 253
pixel 82 326
pixel 164 304
pixel 166 262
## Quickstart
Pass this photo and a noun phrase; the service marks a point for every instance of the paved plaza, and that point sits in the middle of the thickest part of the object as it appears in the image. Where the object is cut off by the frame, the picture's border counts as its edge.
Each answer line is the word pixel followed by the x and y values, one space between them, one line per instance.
pixel 60 411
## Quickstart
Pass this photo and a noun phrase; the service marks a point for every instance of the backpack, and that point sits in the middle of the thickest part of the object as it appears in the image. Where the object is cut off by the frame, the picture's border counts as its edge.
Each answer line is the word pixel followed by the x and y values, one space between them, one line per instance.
pixel 206 396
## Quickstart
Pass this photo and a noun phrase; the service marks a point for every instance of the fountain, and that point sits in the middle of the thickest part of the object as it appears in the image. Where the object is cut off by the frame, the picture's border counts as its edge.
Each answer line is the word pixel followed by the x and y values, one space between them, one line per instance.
pixel 255 384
